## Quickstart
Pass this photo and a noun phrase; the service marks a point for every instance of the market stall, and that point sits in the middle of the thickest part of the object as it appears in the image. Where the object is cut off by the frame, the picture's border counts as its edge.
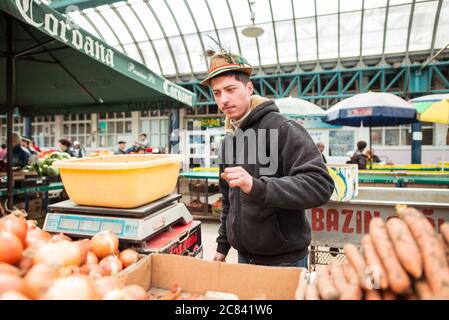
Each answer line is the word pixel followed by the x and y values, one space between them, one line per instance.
pixel 52 66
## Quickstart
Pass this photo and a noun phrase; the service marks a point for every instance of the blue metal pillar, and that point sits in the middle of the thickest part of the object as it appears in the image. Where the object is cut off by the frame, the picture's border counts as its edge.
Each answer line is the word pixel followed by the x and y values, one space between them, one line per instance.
pixel 27 127
pixel 419 85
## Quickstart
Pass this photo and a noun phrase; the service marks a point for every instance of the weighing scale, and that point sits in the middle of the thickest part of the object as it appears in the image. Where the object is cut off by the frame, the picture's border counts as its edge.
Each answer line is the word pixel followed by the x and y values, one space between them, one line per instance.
pixel 131 225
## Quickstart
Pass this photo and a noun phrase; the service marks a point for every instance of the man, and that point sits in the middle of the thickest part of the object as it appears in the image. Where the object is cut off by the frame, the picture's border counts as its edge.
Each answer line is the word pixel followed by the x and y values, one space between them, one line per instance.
pixel 121 148
pixel 78 150
pixel 263 214
pixel 359 157
pixel 143 141
pixel 321 147
pixel 20 155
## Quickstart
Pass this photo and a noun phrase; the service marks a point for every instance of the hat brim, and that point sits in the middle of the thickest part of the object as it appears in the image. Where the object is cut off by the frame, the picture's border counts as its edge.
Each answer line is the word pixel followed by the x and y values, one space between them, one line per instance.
pixel 247 70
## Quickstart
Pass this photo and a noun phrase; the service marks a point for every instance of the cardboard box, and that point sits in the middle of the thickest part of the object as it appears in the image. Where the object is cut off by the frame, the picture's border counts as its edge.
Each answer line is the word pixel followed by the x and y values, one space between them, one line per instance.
pixel 346 179
pixel 179 239
pixel 198 276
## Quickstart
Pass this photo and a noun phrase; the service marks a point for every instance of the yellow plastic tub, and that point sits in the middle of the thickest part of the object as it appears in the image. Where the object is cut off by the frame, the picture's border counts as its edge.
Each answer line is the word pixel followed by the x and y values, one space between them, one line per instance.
pixel 120 181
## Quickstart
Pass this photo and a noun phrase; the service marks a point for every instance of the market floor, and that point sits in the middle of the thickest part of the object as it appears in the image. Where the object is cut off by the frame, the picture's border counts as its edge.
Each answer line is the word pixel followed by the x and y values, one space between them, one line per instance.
pixel 209 232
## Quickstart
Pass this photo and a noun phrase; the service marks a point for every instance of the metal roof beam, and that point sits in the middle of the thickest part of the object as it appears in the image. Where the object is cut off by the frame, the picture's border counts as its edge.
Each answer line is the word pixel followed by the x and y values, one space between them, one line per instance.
pixel 166 39
pixel 62 5
pixel 234 27
pixel 435 27
pixel 182 38
pixel 147 34
pixel 410 23
pixel 275 37
pixel 197 32
pixel 130 33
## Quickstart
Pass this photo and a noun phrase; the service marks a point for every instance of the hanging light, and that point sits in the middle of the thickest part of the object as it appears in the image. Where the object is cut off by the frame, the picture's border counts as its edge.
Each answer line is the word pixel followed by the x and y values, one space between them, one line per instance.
pixel 252 31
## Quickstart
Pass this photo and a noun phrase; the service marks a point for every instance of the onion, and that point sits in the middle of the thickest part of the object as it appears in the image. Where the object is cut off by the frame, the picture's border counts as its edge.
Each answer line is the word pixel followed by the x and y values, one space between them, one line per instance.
pixel 32 224
pixel 36 237
pixel 94 271
pixel 13 295
pixel 83 245
pixel 41 277
pixel 136 292
pixel 71 288
pixel 12 282
pixel 10 248
pixel 7 268
pixel 26 262
pixel 71 270
pixel 64 253
pixel 116 294
pixel 59 237
pixel 15 225
pixel 111 265
pixel 107 284
pixel 128 257
pixel 91 258
pixel 104 243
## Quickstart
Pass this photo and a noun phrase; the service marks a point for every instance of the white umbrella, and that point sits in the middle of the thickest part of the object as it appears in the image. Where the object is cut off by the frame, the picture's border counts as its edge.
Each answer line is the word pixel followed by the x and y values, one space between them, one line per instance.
pixel 299 108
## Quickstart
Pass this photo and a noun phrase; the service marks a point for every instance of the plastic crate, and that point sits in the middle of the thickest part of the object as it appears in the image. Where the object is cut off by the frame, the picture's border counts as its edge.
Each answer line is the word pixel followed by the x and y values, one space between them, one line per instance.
pixel 324 256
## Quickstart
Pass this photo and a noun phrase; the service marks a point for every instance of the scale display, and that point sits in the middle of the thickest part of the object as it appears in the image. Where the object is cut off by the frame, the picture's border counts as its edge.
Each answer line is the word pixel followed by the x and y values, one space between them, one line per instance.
pixel 126 228
pixel 76 224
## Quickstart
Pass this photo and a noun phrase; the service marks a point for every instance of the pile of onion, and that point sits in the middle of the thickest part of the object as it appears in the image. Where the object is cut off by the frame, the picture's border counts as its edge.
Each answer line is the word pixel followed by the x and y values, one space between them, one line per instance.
pixel 36 265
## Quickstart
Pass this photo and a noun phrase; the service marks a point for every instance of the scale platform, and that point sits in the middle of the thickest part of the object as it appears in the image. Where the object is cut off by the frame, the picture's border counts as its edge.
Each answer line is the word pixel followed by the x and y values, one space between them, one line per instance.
pixel 134 225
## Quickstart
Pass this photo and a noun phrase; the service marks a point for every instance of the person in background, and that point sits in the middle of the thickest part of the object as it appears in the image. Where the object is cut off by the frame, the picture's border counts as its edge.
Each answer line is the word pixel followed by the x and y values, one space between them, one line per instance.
pixel 121 148
pixel 26 143
pixel 321 147
pixel 3 151
pixel 371 156
pixel 78 150
pixel 140 150
pixel 359 156
pixel 20 155
pixel 35 146
pixel 143 141
pixel 65 146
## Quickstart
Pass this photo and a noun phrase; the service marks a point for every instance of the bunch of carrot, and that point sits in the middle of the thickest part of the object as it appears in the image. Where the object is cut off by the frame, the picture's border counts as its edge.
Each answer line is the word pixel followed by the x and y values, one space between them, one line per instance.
pixel 403 258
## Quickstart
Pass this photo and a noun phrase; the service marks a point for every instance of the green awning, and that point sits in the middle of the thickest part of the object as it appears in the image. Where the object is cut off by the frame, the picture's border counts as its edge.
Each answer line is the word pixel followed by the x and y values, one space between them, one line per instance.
pixel 61 68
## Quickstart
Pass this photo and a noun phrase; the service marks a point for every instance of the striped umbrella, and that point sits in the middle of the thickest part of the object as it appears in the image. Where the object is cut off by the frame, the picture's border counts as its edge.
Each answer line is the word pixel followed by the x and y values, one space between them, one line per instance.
pixel 433 108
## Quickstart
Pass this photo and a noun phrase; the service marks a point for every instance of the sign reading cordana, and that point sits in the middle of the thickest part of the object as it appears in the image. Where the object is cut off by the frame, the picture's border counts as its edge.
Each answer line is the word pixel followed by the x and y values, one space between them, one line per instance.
pixel 65 31
pixel 178 93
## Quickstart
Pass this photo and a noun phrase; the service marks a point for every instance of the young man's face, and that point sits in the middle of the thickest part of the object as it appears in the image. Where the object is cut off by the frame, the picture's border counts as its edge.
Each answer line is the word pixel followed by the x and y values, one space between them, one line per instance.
pixel 121 146
pixel 321 147
pixel 232 96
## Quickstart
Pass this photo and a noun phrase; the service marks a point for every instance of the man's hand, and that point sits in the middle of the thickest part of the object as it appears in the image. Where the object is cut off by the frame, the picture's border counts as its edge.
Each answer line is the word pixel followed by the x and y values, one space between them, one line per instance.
pixel 238 177
pixel 219 257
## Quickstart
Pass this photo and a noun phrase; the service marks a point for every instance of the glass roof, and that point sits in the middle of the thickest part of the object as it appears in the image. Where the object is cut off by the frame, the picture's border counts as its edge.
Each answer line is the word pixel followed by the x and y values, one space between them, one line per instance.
pixel 170 36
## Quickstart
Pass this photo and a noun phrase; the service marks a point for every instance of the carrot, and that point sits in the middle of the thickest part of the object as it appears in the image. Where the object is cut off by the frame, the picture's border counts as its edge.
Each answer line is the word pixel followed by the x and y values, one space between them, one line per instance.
pixel 434 258
pixel 388 295
pixel 423 290
pixel 350 274
pixel 397 277
pixel 444 231
pixel 373 295
pixel 173 294
pixel 405 247
pixel 373 261
pixel 312 292
pixel 352 292
pixel 326 289
pixel 358 263
pixel 338 277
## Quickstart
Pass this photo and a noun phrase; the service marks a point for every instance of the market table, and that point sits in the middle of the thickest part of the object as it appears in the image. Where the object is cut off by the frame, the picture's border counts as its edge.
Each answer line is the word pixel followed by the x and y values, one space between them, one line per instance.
pixel 201 175
pixel 26 191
